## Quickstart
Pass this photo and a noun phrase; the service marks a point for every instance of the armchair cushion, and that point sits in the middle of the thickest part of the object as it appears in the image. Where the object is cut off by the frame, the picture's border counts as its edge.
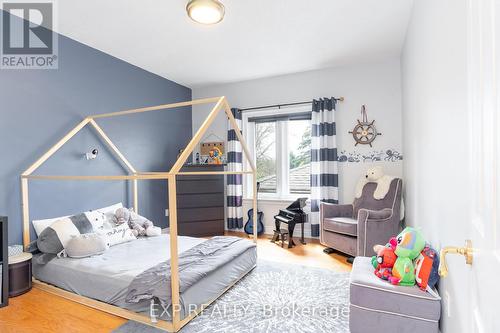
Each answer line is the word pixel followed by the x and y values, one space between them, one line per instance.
pixel 342 225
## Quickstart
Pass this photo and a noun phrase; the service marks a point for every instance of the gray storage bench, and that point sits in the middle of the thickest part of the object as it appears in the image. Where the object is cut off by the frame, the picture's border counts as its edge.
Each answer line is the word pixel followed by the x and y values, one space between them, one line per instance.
pixel 377 306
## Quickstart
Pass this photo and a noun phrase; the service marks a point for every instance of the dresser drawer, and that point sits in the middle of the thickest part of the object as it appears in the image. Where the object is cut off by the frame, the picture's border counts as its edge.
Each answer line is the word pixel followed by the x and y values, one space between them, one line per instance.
pixel 200 186
pixel 201 229
pixel 200 200
pixel 200 214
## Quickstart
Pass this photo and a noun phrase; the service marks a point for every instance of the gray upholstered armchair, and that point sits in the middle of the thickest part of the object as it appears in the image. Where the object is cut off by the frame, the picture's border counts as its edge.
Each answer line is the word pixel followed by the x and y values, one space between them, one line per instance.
pixel 354 229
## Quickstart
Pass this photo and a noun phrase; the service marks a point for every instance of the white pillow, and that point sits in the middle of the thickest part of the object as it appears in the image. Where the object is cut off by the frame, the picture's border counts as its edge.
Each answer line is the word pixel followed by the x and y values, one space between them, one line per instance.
pixel 119 234
pixel 40 225
pixel 96 218
pixel 109 213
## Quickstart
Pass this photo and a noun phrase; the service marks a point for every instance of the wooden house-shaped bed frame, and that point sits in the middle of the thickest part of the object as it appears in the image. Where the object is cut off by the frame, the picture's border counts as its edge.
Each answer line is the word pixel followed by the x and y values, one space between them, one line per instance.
pixel 134 175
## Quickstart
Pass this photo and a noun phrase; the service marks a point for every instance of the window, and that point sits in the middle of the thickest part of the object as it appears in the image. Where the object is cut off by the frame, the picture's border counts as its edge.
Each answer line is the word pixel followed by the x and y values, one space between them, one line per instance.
pixel 265 156
pixel 281 144
pixel 299 152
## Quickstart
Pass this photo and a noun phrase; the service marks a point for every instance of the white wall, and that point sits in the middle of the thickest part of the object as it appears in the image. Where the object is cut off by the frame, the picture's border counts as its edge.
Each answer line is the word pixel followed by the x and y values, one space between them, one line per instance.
pixel 376 85
pixel 434 83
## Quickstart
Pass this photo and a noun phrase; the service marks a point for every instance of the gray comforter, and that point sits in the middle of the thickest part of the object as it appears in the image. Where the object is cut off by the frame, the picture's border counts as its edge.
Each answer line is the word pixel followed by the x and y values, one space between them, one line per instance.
pixel 194 264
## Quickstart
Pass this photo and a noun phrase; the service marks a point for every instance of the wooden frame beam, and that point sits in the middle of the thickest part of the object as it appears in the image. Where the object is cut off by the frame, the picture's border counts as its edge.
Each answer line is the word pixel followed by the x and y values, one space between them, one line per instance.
pixel 135 195
pixel 171 176
pixel 130 167
pixel 157 108
pixel 187 173
pixel 197 137
pixel 111 145
pixel 25 208
pixel 174 255
pixel 56 147
pixel 102 306
pixel 137 176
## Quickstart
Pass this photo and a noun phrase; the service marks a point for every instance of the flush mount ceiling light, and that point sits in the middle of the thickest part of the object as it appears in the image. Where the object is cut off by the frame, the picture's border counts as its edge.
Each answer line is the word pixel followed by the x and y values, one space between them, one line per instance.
pixel 205 11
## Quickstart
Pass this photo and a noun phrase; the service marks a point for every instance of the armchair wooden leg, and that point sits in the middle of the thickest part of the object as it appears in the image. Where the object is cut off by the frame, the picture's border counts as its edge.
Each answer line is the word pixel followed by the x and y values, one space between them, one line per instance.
pixel 328 250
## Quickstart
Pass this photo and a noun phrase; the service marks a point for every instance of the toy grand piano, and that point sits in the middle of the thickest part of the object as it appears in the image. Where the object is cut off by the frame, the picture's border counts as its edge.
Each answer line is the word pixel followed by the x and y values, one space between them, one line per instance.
pixel 292 215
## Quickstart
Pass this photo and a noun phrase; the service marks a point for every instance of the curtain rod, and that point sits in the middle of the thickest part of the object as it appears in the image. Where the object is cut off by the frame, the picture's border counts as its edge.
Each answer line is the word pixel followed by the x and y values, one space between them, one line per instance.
pixel 340 99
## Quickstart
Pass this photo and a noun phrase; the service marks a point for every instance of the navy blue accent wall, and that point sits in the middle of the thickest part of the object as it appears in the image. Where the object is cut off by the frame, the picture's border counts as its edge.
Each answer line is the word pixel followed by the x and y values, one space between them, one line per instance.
pixel 38 107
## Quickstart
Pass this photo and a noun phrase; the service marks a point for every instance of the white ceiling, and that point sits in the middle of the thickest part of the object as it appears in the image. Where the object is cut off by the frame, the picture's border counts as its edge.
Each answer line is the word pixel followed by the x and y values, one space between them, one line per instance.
pixel 257 38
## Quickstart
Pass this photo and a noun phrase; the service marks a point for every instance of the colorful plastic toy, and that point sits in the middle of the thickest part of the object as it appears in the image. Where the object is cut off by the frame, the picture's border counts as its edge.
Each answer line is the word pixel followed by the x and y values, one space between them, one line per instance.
pixel 215 155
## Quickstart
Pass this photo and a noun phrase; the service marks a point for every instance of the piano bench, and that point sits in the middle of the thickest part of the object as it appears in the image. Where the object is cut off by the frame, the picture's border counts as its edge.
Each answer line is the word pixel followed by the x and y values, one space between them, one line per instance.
pixel 281 234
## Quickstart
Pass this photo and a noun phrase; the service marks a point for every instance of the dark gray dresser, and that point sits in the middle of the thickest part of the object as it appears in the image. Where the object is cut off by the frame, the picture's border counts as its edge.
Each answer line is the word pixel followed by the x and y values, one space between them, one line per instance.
pixel 200 202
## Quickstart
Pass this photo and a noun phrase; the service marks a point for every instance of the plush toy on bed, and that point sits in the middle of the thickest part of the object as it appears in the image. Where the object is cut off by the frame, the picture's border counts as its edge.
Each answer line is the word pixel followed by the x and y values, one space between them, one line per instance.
pixel 385 259
pixel 410 244
pixel 140 225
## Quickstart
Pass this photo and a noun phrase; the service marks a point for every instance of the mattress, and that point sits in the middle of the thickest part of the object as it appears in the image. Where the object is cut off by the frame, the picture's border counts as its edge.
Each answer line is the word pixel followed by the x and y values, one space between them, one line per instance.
pixel 106 277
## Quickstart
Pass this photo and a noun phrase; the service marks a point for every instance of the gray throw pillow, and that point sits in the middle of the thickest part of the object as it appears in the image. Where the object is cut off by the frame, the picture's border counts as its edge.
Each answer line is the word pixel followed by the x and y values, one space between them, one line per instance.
pixel 87 245
pixel 53 239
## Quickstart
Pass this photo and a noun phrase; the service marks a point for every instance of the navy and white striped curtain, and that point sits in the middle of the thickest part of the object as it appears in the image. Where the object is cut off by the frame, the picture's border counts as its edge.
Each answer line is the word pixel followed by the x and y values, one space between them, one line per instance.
pixel 234 182
pixel 324 171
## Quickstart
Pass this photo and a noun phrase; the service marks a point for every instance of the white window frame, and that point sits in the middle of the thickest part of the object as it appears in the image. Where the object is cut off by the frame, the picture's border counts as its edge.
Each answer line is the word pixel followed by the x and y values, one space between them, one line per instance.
pixel 282 158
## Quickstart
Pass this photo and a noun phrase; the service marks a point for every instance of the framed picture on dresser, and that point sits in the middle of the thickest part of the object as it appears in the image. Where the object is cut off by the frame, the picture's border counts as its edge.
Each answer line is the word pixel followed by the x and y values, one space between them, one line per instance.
pixel 4 263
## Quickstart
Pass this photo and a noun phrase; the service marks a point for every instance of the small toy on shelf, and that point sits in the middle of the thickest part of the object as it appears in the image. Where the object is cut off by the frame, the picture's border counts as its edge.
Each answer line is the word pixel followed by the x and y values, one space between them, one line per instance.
pixel 212 152
pixel 215 155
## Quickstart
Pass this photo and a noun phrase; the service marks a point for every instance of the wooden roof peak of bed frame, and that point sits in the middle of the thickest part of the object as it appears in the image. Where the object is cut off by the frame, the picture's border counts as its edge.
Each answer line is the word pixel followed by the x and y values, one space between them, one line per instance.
pixel 221 103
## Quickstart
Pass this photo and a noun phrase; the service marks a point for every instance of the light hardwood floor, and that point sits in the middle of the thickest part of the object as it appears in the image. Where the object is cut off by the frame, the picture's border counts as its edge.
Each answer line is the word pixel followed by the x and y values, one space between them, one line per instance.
pixel 41 312
pixel 310 254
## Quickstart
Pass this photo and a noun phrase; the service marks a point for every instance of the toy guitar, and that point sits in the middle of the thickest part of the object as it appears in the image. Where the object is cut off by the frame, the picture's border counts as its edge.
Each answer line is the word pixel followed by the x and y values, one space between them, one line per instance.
pixel 260 215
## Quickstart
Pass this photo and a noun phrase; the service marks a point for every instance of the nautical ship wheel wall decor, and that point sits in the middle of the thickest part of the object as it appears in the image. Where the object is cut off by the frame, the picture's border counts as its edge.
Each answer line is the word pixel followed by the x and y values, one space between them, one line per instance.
pixel 364 132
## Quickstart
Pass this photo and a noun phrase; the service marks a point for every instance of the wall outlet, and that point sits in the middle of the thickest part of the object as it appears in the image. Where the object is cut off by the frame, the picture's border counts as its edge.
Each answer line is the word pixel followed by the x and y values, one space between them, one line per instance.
pixel 166 212
pixel 447 303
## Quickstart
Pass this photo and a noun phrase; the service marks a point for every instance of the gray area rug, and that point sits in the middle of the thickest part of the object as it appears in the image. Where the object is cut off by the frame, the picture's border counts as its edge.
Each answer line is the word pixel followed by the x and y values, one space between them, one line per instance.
pixel 274 297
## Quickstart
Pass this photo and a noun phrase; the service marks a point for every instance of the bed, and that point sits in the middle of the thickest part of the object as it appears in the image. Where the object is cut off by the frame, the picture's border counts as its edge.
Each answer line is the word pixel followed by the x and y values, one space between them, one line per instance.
pixel 107 277
pixel 71 278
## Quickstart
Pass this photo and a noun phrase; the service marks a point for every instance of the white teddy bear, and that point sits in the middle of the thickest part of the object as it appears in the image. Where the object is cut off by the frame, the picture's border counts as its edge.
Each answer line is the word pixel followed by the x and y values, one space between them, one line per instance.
pixel 375 175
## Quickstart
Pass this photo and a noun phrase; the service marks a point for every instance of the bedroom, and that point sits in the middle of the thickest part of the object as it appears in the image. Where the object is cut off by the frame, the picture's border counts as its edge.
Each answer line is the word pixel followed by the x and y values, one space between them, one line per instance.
pixel 382 115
